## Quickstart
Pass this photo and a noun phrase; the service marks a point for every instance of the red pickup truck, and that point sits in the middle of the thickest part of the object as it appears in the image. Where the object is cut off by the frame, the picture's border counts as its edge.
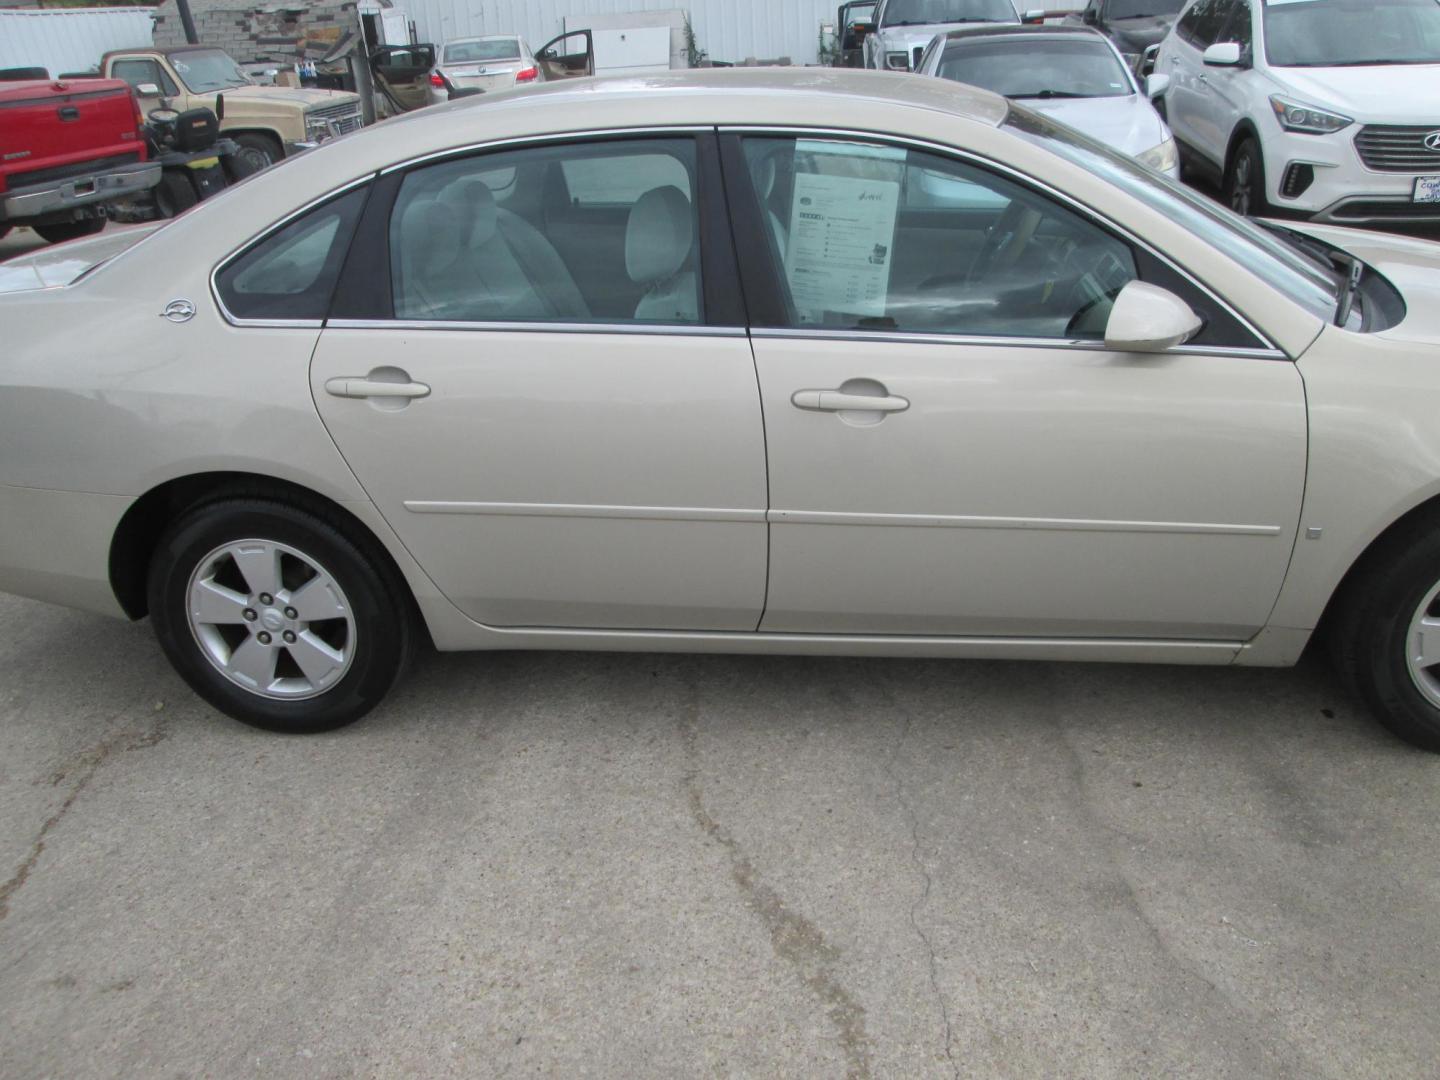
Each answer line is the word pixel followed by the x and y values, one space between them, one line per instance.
pixel 67 150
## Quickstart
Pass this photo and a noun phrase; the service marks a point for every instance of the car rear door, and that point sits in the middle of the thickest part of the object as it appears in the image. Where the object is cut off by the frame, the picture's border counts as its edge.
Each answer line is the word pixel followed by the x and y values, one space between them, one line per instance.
pixel 557 448
pixel 953 451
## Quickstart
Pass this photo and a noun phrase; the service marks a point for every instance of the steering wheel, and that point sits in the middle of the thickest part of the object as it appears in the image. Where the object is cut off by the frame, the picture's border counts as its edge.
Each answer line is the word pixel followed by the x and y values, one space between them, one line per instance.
pixel 163 115
pixel 1006 240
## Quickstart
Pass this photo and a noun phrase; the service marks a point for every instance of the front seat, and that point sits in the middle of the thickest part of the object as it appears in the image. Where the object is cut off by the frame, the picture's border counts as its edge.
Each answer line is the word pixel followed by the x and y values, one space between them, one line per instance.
pixel 508 268
pixel 659 256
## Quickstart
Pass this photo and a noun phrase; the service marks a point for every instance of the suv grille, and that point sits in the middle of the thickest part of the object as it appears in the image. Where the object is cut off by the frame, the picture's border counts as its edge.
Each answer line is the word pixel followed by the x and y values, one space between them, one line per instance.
pixel 1397 149
pixel 346 116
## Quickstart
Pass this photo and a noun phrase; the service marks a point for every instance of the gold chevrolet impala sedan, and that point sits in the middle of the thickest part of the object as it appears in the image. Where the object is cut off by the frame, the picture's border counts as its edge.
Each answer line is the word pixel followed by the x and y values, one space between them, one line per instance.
pixel 755 361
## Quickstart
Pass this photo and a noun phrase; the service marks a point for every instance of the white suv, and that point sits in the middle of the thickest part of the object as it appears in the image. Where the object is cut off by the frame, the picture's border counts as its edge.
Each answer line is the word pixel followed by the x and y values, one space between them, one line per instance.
pixel 1329 108
pixel 904 27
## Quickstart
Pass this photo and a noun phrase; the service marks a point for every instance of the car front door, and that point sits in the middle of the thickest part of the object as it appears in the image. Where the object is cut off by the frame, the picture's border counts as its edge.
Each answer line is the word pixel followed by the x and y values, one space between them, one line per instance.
pixel 1189 104
pixel 555 447
pixel 953 451
pixel 569 56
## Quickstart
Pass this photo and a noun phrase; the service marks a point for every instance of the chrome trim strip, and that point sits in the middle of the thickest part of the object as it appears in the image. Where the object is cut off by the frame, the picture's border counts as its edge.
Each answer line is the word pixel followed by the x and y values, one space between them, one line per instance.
pixel 671 329
pixel 969 521
pixel 903 338
pixel 1025 178
pixel 262 235
pixel 527 140
pixel 584 510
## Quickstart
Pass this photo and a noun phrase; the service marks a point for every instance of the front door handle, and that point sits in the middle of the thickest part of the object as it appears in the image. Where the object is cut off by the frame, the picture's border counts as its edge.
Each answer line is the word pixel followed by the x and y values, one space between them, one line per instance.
pixel 840 401
pixel 359 386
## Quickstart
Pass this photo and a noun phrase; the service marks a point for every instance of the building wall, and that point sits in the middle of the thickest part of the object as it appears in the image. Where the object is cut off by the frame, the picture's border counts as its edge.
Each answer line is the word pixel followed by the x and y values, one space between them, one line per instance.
pixel 251 32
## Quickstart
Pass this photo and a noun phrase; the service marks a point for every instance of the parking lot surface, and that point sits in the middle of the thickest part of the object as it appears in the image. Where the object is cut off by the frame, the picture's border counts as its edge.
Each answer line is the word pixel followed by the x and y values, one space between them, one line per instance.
pixel 563 865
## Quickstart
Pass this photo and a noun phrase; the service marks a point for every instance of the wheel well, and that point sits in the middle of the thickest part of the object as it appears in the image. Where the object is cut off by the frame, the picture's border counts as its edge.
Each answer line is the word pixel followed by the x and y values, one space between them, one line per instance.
pixel 140 529
pixel 272 136
pixel 1243 130
pixel 1425 515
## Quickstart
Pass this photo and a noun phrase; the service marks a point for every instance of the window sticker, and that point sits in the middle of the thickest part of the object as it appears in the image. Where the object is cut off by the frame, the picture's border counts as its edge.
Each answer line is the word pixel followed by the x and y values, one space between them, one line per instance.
pixel 842 228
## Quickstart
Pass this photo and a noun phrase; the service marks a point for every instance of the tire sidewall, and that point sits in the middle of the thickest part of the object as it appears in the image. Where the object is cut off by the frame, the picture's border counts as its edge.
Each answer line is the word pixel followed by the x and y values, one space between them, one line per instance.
pixel 1382 642
pixel 1248 148
pixel 381 631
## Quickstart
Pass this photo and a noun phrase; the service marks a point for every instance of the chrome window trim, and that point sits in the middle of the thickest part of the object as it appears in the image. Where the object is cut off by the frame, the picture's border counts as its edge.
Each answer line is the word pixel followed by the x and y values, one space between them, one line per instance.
pixel 994 341
pixel 671 329
pixel 261 237
pixel 531 140
pixel 1269 349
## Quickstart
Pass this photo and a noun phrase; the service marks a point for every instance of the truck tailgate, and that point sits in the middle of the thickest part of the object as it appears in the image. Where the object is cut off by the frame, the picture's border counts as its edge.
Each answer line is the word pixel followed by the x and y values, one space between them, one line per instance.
pixel 50 130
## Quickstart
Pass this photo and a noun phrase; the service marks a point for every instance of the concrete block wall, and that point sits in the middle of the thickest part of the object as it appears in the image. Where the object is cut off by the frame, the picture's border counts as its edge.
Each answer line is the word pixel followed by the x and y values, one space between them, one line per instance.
pixel 251 34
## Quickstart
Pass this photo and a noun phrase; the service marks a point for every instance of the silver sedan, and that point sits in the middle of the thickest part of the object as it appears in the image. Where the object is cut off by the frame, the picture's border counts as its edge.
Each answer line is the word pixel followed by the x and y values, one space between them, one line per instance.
pixel 755 361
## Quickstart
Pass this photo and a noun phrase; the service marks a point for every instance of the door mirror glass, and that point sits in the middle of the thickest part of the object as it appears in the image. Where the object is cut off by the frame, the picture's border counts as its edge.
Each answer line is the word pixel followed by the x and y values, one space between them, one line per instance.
pixel 1148 319
pixel 1156 85
pixel 1223 54
pixel 148 89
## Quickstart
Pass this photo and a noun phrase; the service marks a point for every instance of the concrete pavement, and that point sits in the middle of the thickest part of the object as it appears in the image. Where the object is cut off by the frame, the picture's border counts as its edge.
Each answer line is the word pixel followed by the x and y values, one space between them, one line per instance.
pixel 636 866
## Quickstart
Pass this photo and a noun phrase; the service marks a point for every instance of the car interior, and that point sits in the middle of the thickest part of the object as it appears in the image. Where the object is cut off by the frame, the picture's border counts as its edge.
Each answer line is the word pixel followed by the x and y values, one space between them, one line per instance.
pixel 550 235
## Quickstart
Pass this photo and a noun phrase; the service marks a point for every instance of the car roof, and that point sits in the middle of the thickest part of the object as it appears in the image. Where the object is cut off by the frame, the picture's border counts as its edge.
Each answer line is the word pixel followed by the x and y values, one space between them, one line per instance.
pixel 771 95
pixel 1010 30
pixel 483 37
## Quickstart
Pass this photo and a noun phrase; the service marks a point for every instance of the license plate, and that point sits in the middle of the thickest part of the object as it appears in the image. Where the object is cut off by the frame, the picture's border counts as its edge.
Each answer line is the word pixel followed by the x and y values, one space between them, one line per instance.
pixel 1427 189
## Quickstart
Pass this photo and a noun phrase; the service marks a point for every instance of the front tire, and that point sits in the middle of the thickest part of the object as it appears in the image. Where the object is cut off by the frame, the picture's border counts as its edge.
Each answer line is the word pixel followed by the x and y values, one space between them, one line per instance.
pixel 175 193
pixel 257 151
pixel 276 617
pixel 1245 180
pixel 1386 638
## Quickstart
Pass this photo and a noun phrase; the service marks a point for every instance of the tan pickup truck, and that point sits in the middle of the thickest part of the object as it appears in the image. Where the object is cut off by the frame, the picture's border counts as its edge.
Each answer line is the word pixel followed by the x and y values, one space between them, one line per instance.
pixel 267 122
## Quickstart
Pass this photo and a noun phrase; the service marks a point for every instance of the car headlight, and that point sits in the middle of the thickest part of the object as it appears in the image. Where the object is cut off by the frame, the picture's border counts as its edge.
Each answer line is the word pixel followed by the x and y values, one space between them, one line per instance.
pixel 897 61
pixel 1296 116
pixel 1163 158
pixel 318 128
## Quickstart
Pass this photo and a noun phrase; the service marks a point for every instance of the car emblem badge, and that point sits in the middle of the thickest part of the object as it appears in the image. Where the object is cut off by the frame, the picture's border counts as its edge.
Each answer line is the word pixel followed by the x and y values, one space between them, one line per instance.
pixel 1432 141
pixel 178 311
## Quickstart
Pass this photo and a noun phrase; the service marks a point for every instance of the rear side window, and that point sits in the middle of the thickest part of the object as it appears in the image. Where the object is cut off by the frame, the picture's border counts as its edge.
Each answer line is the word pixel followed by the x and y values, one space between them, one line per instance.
pixel 291 273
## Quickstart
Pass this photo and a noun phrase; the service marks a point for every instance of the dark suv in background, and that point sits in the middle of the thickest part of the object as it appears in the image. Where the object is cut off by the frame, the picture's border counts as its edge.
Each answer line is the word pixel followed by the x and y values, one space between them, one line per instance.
pixel 1133 25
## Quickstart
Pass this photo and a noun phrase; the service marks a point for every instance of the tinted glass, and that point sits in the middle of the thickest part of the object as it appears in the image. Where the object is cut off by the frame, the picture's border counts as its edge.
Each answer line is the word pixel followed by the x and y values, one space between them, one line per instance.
pixel 464 52
pixel 925 12
pixel 1341 33
pixel 1030 67
pixel 874 237
pixel 1302 279
pixel 291 274
pixel 1140 9
pixel 1202 23
pixel 599 232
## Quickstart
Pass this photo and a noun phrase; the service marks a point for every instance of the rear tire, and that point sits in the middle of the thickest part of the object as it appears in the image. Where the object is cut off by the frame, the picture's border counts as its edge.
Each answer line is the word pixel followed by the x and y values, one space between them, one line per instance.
pixel 1245 180
pixel 227 593
pixel 175 193
pixel 61 231
pixel 1386 637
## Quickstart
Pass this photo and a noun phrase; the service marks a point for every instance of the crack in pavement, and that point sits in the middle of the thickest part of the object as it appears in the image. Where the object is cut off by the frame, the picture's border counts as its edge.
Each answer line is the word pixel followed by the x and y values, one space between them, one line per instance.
pixel 794 938
pixel 87 764
pixel 928 881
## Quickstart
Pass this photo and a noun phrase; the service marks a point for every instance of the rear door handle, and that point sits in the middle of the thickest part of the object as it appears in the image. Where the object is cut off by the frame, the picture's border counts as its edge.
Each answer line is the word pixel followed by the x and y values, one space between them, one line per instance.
pixel 352 386
pixel 839 401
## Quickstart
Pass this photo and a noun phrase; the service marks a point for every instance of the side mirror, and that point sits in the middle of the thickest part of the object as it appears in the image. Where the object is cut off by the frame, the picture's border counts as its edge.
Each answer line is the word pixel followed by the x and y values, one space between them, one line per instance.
pixel 147 89
pixel 1149 319
pixel 863 27
pixel 1156 85
pixel 1090 16
pixel 219 106
pixel 1222 54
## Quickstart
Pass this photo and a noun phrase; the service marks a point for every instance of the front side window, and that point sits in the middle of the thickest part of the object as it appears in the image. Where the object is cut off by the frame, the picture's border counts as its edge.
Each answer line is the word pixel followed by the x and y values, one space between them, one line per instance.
pixel 587 233
pixel 139 72
pixel 291 274
pixel 1352 33
pixel 1038 67
pixel 1239 27
pixel 874 237
pixel 939 12
pixel 1203 21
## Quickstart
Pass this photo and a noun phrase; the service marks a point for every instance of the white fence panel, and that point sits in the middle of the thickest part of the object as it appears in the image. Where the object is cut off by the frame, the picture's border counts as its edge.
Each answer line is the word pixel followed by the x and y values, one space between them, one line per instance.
pixel 74 39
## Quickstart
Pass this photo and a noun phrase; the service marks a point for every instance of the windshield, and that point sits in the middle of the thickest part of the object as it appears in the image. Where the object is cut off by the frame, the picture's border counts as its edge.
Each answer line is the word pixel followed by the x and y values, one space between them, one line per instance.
pixel 205 71
pixel 1141 9
pixel 1030 67
pixel 1351 33
pixel 1303 279
pixel 469 52
pixel 927 12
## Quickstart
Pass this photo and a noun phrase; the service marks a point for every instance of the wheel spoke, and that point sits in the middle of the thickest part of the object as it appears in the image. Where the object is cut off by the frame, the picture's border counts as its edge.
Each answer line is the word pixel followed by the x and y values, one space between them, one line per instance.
pixel 315 658
pixel 254 663
pixel 1425 642
pixel 260 566
pixel 214 604
pixel 318 599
